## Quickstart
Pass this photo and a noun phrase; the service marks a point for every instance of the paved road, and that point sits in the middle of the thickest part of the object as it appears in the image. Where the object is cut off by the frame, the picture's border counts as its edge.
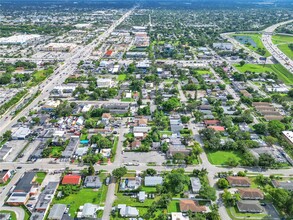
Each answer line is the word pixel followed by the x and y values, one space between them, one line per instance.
pixel 19 212
pixel 61 73
pixel 273 49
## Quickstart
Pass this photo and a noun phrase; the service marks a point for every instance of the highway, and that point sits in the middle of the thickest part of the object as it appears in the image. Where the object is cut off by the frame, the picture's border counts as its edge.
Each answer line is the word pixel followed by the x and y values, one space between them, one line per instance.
pixel 273 49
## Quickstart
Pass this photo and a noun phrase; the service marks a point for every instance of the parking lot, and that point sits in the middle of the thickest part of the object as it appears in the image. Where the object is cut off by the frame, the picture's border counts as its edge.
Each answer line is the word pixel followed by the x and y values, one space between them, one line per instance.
pixel 17 146
pixel 272 212
pixel 144 157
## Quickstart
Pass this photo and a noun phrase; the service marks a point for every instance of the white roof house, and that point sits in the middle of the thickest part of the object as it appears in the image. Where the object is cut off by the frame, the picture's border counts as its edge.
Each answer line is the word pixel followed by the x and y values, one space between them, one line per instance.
pixel 141 196
pixel 195 184
pixel 153 180
pixel 128 211
pixel 104 83
pixel 89 210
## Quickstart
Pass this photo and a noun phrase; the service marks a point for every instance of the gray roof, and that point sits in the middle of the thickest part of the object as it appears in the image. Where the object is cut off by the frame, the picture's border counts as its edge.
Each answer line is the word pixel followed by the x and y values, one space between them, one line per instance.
pixel 129 211
pixel 92 182
pixel 36 216
pixel 71 147
pixel 249 206
pixel 89 210
pixel 25 183
pixel 57 211
pixel 153 180
pixel 47 196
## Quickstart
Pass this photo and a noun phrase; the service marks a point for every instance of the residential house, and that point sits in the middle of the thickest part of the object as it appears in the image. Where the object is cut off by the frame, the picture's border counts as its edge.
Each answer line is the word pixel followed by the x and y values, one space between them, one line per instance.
pixel 250 193
pixel 128 211
pixel 92 182
pixel 88 211
pixel 288 185
pixel 195 184
pixel 238 181
pixel 71 180
pixel 249 206
pixel 179 216
pixel 106 117
pixel 129 183
pixel 153 180
pixel 141 196
pixel 187 205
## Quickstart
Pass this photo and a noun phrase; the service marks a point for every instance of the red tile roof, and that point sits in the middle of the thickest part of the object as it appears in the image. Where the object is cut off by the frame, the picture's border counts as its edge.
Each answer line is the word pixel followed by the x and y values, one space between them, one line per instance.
pixel 188 204
pixel 109 53
pixel 211 122
pixel 71 180
pixel 217 128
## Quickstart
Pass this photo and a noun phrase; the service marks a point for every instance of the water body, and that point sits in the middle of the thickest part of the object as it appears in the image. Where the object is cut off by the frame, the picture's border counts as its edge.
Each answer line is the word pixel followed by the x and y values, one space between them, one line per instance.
pixel 243 39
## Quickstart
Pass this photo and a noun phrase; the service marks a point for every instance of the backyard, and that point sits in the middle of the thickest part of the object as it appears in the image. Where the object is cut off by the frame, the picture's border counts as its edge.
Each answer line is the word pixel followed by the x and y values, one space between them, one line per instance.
pixel 84 195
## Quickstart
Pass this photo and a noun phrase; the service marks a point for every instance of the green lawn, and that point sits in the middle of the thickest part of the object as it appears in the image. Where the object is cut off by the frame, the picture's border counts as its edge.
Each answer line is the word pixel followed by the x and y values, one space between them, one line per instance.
pixel 121 199
pixel 286 50
pixel 173 206
pixel 278 39
pixel 56 151
pixel 121 77
pixel 115 145
pixel 40 177
pixel 166 132
pixel 282 41
pixel 85 195
pixel 127 100
pixel 149 189
pixel 12 214
pixel 203 71
pixel 221 157
pixel 235 214
pixel 282 73
pixel 257 40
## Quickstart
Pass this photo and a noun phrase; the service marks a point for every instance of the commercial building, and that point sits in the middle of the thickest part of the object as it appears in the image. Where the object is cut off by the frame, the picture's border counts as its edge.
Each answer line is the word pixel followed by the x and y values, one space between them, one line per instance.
pixel 223 46
pixel 59 47
pixel 71 147
pixel 51 105
pixel 57 212
pixel 20 133
pixel 20 39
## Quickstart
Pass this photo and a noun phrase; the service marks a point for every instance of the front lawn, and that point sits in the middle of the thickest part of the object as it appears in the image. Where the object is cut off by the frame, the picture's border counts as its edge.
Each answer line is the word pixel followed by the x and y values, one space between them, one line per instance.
pixel 40 177
pixel 221 157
